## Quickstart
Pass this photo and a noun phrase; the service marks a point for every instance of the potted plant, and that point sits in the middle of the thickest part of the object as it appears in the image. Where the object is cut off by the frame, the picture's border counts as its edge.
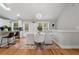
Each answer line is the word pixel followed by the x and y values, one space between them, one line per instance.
pixel 5 28
pixel 39 28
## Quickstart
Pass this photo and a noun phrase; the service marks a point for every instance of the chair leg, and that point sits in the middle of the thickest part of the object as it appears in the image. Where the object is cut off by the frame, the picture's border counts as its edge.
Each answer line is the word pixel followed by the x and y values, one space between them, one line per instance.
pixel 7 42
pixel 42 45
pixel 14 40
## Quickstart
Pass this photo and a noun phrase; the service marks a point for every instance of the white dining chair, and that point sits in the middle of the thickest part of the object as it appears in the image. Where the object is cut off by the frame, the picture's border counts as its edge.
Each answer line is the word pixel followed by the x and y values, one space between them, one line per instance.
pixel 48 38
pixel 30 39
pixel 39 39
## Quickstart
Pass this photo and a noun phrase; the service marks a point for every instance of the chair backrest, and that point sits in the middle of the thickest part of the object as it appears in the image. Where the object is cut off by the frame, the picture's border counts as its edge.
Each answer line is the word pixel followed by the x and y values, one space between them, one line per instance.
pixel 11 34
pixel 30 36
pixel 40 37
pixel 16 34
pixel 30 39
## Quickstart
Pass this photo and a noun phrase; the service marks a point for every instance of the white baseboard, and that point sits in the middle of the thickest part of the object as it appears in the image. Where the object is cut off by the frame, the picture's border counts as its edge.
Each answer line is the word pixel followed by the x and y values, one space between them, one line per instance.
pixel 69 47
pixel 66 46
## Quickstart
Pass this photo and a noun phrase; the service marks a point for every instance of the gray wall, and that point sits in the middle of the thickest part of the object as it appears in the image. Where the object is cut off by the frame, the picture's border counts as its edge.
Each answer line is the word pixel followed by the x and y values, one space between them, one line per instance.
pixel 69 19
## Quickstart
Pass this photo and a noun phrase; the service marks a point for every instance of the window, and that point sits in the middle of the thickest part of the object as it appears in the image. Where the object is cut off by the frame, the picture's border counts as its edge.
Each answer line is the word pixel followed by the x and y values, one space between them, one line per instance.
pixel 26 27
pixel 33 27
pixel 45 25
pixel 15 25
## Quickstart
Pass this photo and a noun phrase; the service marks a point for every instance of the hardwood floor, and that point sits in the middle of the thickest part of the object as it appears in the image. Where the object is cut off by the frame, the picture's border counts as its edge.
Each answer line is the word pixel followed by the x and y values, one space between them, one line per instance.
pixel 15 50
pixel 39 52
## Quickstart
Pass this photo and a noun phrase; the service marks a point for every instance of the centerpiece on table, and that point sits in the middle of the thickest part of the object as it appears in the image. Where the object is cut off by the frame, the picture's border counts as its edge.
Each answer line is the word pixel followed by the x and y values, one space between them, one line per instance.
pixel 39 28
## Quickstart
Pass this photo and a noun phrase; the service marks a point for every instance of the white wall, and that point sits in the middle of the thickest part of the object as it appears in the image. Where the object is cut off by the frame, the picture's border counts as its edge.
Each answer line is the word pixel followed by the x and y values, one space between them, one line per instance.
pixel 52 22
pixel 4 22
pixel 67 39
pixel 69 19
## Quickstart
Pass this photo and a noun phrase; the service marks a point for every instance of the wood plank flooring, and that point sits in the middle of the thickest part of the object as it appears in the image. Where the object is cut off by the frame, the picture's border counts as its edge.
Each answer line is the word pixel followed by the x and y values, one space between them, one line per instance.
pixel 39 52
pixel 15 50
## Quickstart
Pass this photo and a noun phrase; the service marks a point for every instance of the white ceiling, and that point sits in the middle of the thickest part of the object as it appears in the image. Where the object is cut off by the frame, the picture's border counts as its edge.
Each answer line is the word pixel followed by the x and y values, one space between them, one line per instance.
pixel 27 11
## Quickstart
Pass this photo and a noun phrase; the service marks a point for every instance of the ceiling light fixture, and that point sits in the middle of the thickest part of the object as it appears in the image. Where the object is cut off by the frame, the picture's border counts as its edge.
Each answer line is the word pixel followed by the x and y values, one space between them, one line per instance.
pixel 38 15
pixel 18 15
pixel 4 7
